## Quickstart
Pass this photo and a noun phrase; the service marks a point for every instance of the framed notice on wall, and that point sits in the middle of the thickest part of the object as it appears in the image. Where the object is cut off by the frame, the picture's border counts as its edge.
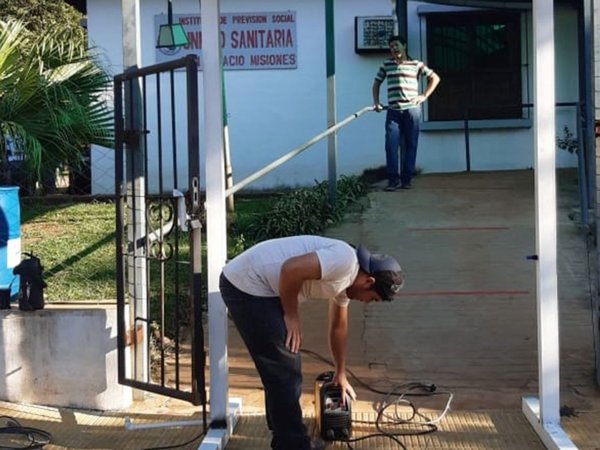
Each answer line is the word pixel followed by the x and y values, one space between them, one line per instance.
pixel 249 40
pixel 371 34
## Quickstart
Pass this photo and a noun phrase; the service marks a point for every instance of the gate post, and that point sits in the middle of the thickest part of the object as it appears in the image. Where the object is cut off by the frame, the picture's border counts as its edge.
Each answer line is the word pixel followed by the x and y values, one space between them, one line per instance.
pixel 543 413
pixel 134 175
pixel 215 212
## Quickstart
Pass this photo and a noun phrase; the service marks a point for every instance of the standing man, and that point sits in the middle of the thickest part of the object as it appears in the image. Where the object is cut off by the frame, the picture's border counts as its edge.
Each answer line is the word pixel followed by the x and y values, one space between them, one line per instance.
pixel 404 114
pixel 262 288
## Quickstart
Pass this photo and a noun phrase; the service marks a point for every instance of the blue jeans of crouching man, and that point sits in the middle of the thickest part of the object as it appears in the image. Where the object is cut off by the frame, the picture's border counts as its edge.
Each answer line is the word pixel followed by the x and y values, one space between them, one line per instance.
pixel 401 132
pixel 259 321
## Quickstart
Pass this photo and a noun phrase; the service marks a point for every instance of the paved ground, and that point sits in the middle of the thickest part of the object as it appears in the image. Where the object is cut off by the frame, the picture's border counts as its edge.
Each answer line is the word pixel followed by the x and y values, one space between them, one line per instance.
pixel 466 322
pixel 467 318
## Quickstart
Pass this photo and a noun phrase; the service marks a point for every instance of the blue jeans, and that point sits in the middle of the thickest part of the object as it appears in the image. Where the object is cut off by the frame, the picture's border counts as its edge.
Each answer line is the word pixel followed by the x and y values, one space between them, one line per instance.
pixel 401 132
pixel 259 321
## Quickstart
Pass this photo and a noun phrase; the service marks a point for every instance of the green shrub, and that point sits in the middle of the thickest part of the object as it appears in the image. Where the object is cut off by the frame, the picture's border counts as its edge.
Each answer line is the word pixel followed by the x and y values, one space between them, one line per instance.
pixel 301 211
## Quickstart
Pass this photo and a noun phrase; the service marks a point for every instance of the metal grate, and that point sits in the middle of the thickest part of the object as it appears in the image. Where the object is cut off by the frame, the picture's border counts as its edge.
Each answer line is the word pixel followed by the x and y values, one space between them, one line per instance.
pixel 158 231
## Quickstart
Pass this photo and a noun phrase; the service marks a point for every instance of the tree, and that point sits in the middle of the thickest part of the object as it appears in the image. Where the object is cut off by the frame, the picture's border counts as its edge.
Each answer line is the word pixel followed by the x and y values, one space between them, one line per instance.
pixel 52 93
pixel 42 16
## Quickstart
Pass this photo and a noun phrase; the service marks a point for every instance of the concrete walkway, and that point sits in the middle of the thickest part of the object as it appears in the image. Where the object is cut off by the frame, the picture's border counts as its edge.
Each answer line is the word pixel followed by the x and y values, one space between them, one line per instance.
pixel 466 322
pixel 467 318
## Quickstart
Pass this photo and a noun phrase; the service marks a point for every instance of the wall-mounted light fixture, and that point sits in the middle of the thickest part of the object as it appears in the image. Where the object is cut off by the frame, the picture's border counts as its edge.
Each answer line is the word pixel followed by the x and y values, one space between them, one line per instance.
pixel 172 34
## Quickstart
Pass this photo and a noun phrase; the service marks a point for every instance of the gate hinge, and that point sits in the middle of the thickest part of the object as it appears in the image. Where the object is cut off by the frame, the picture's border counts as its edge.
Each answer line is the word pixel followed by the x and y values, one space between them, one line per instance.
pixel 131 137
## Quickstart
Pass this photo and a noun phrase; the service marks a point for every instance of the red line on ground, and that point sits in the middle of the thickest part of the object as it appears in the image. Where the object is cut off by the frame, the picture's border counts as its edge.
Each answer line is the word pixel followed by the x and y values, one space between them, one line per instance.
pixel 460 293
pixel 460 229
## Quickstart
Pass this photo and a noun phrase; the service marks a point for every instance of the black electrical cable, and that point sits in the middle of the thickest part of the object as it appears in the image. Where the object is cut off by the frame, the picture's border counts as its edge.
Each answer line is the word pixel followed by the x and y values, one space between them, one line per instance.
pixel 428 388
pixel 36 437
pixel 413 389
pixel 195 438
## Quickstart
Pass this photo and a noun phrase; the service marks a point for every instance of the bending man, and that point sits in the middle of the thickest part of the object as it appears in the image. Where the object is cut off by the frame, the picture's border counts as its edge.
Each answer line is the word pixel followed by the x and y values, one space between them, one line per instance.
pixel 263 286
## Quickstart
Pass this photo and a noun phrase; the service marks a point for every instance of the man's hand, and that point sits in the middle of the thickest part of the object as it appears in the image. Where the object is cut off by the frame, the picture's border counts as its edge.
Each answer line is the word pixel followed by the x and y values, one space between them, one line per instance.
pixel 377 107
pixel 339 379
pixel 418 99
pixel 294 336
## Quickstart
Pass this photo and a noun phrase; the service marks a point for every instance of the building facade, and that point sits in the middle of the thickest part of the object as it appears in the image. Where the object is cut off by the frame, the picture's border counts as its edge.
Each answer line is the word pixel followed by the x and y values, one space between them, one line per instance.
pixel 276 93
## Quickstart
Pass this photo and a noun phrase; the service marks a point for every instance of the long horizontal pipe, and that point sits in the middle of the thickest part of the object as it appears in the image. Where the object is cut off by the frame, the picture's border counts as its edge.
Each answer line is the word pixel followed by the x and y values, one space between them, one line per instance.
pixel 130 426
pixel 279 161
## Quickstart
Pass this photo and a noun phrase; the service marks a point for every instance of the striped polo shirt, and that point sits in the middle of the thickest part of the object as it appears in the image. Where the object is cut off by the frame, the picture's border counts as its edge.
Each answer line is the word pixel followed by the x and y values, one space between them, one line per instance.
pixel 402 81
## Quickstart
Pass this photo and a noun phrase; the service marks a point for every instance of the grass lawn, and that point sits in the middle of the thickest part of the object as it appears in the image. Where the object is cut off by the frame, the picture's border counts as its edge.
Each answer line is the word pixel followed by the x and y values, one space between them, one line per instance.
pixel 75 241
pixel 76 244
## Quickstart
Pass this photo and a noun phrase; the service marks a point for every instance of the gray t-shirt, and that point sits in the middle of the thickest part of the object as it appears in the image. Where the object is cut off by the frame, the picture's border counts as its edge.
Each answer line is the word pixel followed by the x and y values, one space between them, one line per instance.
pixel 256 271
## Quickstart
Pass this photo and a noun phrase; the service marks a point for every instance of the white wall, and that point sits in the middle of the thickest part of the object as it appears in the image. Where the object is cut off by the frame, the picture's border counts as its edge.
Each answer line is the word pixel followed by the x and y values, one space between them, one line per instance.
pixel 62 356
pixel 274 111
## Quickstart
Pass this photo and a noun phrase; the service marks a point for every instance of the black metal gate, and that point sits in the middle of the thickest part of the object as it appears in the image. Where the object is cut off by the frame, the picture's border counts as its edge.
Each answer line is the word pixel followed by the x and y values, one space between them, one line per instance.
pixel 158 231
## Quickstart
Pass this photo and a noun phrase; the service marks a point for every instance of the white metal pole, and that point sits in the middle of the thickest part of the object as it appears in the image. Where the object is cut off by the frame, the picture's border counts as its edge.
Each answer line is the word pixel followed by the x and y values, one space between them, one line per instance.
pixel 215 208
pixel 296 151
pixel 136 217
pixel 545 200
pixel 544 415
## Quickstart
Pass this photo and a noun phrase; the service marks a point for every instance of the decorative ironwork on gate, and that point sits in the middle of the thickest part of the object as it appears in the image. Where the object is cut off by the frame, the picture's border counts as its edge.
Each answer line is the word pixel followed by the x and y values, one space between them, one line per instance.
pixel 160 293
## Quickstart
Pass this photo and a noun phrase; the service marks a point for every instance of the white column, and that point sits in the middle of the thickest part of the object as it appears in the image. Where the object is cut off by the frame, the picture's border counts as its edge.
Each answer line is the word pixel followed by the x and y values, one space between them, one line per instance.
pixel 136 289
pixel 215 208
pixel 544 414
pixel 545 201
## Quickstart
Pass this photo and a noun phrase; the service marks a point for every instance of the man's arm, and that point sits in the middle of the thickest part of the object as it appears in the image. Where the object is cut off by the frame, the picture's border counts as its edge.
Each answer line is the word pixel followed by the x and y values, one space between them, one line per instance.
pixel 338 331
pixel 432 83
pixel 375 91
pixel 294 272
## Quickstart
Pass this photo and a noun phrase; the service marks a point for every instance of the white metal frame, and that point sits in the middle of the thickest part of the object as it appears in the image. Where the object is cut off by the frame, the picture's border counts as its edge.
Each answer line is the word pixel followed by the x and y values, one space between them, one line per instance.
pixel 544 413
pixel 136 266
pixel 221 411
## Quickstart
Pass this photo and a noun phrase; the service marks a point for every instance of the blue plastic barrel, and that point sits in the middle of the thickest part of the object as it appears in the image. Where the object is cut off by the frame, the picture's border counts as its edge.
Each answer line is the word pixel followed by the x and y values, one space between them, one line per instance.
pixel 10 238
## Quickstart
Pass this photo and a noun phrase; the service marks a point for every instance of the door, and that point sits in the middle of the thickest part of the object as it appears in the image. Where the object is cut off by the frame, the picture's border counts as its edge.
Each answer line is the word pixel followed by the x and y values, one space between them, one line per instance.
pixel 160 295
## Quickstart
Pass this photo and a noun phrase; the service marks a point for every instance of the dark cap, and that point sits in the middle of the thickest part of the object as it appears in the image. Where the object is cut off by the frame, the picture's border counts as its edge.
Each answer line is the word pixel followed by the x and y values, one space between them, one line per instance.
pixel 386 271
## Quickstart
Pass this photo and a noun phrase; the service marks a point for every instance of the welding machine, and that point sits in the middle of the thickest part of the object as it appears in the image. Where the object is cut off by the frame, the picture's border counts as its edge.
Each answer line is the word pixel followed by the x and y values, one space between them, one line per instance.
pixel 334 419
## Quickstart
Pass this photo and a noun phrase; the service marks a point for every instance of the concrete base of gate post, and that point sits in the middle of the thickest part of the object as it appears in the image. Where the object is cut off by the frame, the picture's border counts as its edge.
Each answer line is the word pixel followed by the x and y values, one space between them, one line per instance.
pixel 217 438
